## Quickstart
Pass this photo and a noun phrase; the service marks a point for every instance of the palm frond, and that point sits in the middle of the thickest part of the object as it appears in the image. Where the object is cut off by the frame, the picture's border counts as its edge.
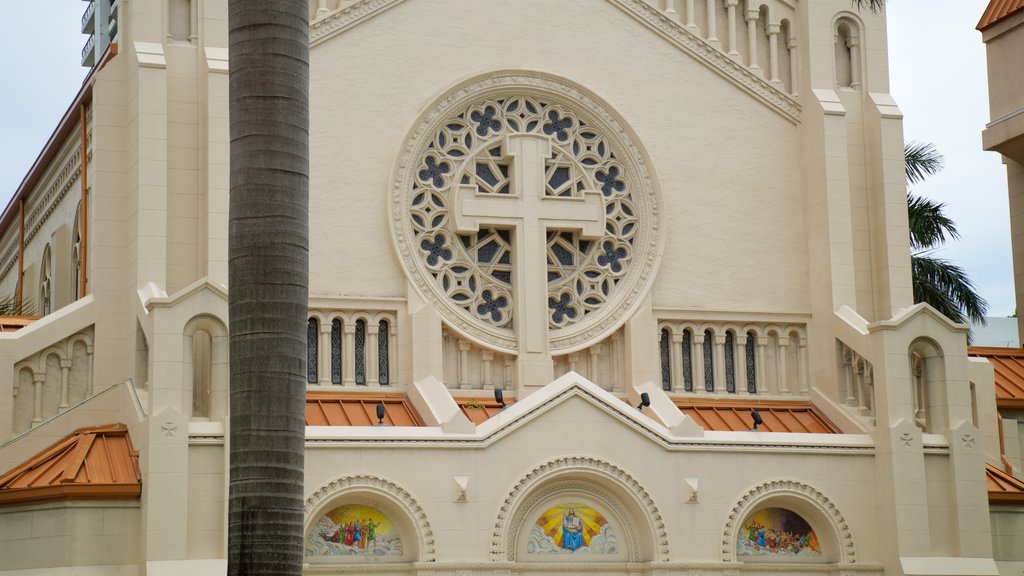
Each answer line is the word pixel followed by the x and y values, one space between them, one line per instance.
pixel 946 287
pixel 929 225
pixel 873 5
pixel 922 160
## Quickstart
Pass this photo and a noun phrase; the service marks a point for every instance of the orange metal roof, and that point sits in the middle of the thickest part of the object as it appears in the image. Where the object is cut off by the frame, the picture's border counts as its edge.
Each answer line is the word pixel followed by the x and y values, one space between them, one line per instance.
pixel 358 409
pixel 1002 487
pixel 997 10
pixel 735 415
pixel 1009 372
pixel 96 462
pixel 13 323
pixel 478 410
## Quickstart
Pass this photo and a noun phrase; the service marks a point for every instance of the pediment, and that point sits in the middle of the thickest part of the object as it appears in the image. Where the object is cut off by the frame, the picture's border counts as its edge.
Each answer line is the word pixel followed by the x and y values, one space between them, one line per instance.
pixel 357 13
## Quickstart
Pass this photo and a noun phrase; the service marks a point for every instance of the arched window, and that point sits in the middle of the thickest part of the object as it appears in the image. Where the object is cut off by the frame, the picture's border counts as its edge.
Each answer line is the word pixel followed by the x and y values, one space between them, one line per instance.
pixel 751 363
pixel 202 373
pixel 709 370
pixel 688 360
pixel 312 355
pixel 336 351
pixel 360 352
pixel 730 363
pixel 666 374
pixel 76 255
pixel 46 283
pixel 383 353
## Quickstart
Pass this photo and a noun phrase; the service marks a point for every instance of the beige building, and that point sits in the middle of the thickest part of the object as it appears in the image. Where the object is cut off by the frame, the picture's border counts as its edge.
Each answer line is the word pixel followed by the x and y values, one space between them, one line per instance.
pixel 694 207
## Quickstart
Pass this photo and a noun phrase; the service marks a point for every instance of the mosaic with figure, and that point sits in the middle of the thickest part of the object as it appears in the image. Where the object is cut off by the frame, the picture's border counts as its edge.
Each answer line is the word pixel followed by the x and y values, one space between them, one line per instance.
pixel 572 529
pixel 354 530
pixel 777 532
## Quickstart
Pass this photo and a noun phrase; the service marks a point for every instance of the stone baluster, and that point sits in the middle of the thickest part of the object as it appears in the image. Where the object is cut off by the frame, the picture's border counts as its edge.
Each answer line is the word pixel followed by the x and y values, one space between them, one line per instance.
pixel 507 376
pixel 321 9
pixel 38 379
pixel 371 353
pixel 487 356
pixel 860 375
pixel 573 359
pixel 88 377
pixel 669 7
pixel 782 356
pixel 348 366
pixel 323 356
pixel 848 371
pixel 65 376
pixel 752 17
pixel 464 365
pixel 719 363
pixel 773 54
pixel 730 10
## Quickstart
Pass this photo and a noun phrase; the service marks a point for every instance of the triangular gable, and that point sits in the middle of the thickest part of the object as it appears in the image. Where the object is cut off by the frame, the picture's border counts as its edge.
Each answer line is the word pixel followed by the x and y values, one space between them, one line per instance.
pixel 91 463
pixel 655 20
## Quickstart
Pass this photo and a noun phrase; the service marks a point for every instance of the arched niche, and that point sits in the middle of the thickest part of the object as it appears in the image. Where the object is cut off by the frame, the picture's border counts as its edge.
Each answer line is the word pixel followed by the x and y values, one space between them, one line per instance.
pixel 792 507
pixel 206 366
pixel 401 532
pixel 928 385
pixel 604 489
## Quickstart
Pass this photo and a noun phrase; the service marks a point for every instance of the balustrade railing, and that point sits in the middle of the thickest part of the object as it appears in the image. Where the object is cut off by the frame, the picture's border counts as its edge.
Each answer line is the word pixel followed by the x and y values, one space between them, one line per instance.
pixel 856 380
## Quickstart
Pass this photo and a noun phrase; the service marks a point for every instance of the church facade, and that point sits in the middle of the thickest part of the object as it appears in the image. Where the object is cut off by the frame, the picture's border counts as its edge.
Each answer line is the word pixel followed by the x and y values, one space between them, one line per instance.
pixel 628 281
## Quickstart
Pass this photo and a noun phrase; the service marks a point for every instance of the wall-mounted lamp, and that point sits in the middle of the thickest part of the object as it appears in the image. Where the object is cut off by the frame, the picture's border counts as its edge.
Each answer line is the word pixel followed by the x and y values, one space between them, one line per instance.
pixel 757 419
pixel 645 400
pixel 499 397
pixel 380 414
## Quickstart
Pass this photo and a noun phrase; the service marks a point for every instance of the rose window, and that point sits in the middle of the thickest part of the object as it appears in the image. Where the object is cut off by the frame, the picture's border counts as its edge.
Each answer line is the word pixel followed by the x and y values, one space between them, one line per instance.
pixel 529 205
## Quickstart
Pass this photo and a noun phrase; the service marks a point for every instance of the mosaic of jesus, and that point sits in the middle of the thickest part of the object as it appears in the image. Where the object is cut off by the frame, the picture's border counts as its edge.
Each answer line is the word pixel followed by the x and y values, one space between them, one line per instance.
pixel 572 528
pixel 777 532
pixel 353 530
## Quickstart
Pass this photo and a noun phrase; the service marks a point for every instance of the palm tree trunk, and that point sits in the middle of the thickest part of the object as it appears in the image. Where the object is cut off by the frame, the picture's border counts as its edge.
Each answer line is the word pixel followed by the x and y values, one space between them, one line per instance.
pixel 268 273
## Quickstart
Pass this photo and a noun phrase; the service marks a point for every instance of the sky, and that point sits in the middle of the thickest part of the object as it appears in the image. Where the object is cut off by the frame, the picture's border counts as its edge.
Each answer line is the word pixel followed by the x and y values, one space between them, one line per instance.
pixel 937 71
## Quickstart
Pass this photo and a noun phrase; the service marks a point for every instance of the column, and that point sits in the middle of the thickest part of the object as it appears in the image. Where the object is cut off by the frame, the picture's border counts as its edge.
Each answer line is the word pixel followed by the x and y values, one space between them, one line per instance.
pixel 488 358
pixel 730 9
pixel 697 362
pixel 675 361
pixel 854 44
pixel 752 18
pixel 740 366
pixel 773 53
pixel 690 23
pixel 794 74
pixel 712 35
pixel 719 361
pixel 593 364
pixel 323 355
pixel 781 354
pixel 348 365
pixel 372 353
pixel 65 372
pixel 506 381
pixel 38 378
pixel 321 8
pixel 762 359
pixel 464 365
pixel 668 6
pixel 801 363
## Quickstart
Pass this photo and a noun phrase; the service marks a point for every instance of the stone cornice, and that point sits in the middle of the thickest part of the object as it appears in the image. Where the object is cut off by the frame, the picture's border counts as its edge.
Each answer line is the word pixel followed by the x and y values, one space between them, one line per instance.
pixel 354 14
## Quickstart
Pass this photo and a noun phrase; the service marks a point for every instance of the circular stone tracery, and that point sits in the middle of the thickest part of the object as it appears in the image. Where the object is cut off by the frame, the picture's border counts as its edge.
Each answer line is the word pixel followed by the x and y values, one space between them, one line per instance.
pixel 462 150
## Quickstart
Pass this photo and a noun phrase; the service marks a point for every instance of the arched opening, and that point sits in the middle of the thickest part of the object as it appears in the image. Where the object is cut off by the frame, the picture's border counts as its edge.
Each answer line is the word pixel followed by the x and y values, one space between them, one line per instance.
pixel 730 362
pixel 206 367
pixel 664 351
pixel 76 255
pixel 928 379
pixel 312 350
pixel 202 373
pixel 688 360
pixel 709 363
pixel 46 282
pixel 360 342
pixel 847 53
pixel 763 41
pixel 787 55
pixel 383 353
pixel 336 351
pixel 751 362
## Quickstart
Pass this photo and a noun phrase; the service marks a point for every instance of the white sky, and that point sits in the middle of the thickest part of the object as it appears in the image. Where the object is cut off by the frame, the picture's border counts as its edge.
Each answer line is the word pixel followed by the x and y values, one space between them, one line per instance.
pixel 938 78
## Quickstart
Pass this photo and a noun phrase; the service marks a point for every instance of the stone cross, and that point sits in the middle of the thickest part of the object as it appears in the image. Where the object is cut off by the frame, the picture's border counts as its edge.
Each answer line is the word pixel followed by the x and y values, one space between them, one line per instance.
pixel 531 213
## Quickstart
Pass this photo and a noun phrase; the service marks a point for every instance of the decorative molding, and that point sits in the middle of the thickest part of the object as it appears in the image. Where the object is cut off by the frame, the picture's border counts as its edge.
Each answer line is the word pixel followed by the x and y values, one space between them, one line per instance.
pixel 683 39
pixel 382 487
pixel 635 282
pixel 774 489
pixel 525 493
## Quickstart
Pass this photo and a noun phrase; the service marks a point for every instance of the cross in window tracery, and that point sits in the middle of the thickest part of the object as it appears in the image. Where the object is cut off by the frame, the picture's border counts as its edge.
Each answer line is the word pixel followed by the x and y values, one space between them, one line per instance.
pixel 530 212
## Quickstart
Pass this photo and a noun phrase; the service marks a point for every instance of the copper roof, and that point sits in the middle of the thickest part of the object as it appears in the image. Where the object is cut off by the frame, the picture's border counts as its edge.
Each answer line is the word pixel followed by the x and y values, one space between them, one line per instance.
pixel 14 323
pixel 478 410
pixel 735 415
pixel 997 10
pixel 1009 373
pixel 1002 487
pixel 90 463
pixel 358 409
